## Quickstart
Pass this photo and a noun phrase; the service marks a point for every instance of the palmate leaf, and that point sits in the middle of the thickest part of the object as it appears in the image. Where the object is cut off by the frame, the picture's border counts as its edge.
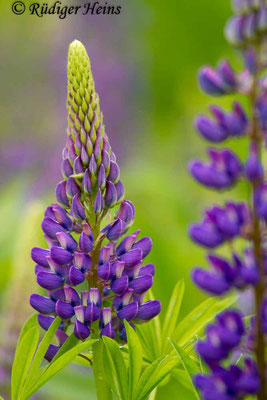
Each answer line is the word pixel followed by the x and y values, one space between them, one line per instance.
pixel 153 375
pixel 172 315
pixel 115 368
pixel 135 359
pixel 189 366
pixel 39 356
pixel 194 322
pixel 57 366
pixel 23 358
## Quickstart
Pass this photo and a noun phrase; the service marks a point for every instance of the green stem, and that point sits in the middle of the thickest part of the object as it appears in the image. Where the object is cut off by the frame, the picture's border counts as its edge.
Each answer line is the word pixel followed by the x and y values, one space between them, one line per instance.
pixel 102 389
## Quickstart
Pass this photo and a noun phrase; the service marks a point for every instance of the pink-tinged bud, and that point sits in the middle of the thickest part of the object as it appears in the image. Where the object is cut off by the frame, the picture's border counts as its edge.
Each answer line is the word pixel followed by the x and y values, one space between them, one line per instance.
pixel 120 191
pixel 72 188
pixel 66 168
pixel 105 317
pixel 88 230
pixel 78 165
pixel 82 261
pixel 79 313
pixel 61 193
pixel 111 195
pixel 95 297
pixel 105 254
pixel 66 241
pixel 77 208
pixel 86 183
pixel 114 172
pixel 71 296
pixel 101 179
pixel 99 203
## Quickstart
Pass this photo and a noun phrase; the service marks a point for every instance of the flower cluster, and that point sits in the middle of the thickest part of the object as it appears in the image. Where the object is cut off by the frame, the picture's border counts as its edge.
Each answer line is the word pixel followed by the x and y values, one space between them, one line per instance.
pixel 244 220
pixel 94 276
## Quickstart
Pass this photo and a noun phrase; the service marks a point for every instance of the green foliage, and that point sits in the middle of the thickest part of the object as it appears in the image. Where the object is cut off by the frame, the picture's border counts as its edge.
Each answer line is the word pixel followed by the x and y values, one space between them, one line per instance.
pixel 188 364
pixel 130 383
pixel 28 375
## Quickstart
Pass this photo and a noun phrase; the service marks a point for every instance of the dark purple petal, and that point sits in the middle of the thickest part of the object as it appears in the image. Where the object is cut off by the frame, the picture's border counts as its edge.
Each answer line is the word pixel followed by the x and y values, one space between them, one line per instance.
pixel 115 230
pixel 86 183
pixel 120 191
pixel 66 168
pixel 114 172
pixel 92 313
pixel 132 258
pixel 141 284
pixel 120 285
pixel 64 310
pixel 51 228
pixel 78 165
pixel 77 209
pixel 149 310
pixel 81 331
pixel 39 256
pixel 104 271
pixel 61 256
pixel 71 296
pixel 148 269
pixel 85 243
pixel 111 194
pixel 75 276
pixel 45 321
pixel 99 203
pixel 72 188
pixel 82 261
pixel 49 280
pixel 145 244
pixel 108 331
pixel 101 179
pixel 128 312
pixel 43 305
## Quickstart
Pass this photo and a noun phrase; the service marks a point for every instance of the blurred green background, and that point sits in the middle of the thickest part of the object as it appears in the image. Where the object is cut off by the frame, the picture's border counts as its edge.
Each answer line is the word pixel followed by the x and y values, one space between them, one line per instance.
pixel 145 63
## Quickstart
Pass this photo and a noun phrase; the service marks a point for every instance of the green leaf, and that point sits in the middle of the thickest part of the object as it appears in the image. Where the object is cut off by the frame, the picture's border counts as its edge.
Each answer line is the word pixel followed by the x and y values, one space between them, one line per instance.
pixel 30 323
pixel 57 366
pixel 135 359
pixel 181 376
pixel 189 365
pixel 153 375
pixel 117 368
pixel 150 336
pixel 39 356
pixel 172 315
pixel 194 322
pixel 23 357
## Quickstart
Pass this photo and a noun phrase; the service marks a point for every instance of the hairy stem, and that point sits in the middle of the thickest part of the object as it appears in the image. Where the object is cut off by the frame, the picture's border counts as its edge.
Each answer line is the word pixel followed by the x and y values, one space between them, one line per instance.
pixel 259 289
pixel 102 389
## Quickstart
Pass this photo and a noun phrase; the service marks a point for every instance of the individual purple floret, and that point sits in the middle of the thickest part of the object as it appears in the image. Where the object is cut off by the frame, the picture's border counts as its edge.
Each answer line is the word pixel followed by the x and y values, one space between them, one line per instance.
pixel 93 269
pixel 222 125
pixel 222 172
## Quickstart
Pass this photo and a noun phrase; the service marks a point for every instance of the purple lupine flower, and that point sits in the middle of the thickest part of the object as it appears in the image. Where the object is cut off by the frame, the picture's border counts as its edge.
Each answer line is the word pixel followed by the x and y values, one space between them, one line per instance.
pixel 247 266
pixel 222 172
pixel 80 249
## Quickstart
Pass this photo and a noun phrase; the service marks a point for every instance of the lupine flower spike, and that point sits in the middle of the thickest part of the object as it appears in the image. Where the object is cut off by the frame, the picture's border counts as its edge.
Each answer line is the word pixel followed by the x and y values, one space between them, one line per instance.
pixel 94 275
pixel 247 220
